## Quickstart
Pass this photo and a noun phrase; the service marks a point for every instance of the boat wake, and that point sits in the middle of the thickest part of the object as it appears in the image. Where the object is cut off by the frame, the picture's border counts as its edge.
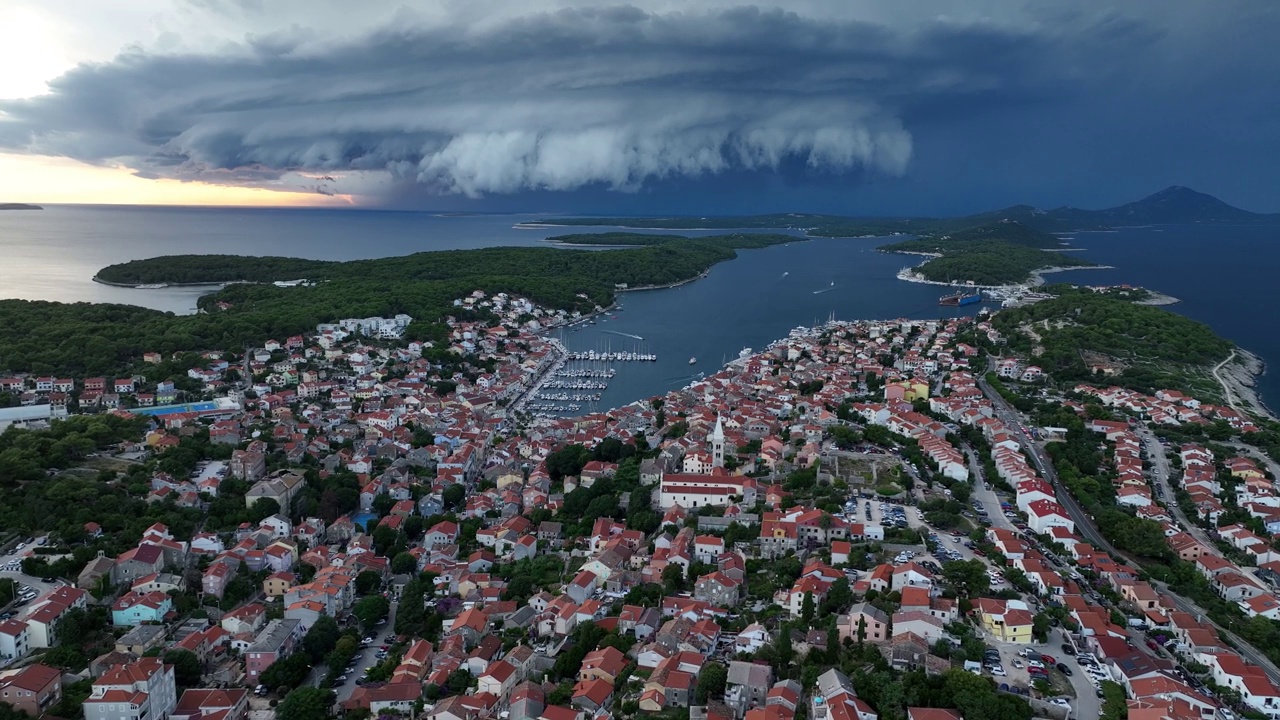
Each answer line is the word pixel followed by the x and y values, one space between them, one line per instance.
pixel 615 332
pixel 825 289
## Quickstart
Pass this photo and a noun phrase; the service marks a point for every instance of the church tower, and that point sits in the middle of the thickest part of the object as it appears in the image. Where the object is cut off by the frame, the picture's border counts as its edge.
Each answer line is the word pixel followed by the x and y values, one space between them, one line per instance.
pixel 717 444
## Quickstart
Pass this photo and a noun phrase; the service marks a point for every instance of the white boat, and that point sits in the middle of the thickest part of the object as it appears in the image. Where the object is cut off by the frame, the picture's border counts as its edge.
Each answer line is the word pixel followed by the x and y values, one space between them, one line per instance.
pixel 744 352
pixel 693 360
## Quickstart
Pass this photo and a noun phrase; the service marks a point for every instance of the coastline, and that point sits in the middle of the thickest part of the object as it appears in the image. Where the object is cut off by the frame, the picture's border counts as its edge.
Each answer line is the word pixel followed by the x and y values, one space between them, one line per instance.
pixel 1240 377
pixel 1158 299
pixel 911 274
pixel 138 286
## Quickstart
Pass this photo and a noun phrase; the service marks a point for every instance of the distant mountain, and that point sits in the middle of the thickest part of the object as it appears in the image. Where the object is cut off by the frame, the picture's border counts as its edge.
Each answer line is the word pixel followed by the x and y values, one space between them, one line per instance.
pixel 1174 205
pixel 19 206
pixel 1171 206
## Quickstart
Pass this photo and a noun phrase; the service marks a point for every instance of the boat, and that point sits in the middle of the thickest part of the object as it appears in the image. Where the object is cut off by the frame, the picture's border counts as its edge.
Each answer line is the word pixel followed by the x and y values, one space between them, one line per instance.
pixel 744 352
pixel 960 298
pixel 693 360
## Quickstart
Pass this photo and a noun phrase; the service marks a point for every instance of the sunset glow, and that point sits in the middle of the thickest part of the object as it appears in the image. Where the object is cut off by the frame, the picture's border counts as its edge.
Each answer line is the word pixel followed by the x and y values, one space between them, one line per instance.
pixel 30 179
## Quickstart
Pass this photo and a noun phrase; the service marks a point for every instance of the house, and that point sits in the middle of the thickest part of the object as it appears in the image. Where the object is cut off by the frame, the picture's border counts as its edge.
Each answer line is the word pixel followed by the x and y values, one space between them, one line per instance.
pixel 717 589
pixel 276 641
pixel 43 619
pixel 864 623
pixel 141 690
pixel 396 698
pixel 208 704
pixel 281 487
pixel 917 713
pixel 1008 620
pixel 135 608
pixel 33 689
pixel 498 680
pixel 14 639
pixel 747 685
pixel 603 664
pixel 141 639
pixel 592 695
pixel 1045 514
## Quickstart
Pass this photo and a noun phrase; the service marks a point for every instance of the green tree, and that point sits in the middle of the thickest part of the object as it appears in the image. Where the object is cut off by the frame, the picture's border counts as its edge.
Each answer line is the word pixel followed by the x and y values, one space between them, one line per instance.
pixel 286 673
pixel 307 703
pixel 807 607
pixel 321 638
pixel 186 667
pixel 370 610
pixel 403 563
pixel 711 682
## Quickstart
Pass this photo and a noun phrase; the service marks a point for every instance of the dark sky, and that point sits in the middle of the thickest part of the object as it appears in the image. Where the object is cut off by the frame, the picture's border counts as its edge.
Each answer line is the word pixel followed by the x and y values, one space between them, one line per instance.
pixel 907 107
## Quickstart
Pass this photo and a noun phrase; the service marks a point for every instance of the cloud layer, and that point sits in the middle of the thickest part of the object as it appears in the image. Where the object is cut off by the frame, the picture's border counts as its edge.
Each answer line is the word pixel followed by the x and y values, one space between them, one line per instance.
pixel 614 97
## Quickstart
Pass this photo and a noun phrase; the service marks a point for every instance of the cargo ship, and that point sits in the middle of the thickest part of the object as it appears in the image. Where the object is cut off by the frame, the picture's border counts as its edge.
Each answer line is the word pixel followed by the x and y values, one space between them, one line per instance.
pixel 960 298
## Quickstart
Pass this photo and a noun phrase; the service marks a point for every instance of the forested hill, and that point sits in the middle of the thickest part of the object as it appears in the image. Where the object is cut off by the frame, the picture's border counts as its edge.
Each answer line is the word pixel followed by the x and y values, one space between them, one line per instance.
pixel 1154 347
pixel 94 339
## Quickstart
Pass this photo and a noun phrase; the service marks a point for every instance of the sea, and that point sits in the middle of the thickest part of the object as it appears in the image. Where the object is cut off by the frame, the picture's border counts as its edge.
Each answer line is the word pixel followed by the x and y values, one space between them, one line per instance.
pixel 1222 274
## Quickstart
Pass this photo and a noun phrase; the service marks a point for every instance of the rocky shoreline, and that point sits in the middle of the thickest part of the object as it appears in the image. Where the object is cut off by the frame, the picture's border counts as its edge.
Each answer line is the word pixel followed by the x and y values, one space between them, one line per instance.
pixel 1241 376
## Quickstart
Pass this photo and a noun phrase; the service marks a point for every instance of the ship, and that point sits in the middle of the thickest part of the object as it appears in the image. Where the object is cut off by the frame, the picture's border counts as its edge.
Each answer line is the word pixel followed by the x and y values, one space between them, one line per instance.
pixel 960 298
pixel 693 360
pixel 744 353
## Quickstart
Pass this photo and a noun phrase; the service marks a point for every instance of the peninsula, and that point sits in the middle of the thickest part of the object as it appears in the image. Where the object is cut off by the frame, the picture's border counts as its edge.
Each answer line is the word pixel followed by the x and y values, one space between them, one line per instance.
pixel 19 206
pixel 260 299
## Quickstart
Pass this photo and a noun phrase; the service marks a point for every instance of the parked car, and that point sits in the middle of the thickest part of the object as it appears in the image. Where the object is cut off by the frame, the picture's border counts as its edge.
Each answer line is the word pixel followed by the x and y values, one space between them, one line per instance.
pixel 1063 668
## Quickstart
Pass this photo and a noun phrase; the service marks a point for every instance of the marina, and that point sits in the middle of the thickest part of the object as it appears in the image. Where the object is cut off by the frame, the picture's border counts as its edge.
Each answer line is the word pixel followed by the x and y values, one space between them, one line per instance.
pixel 579 378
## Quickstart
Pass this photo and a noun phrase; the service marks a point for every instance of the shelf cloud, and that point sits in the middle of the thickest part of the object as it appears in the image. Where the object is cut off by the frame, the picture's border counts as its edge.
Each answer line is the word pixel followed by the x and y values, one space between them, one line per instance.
pixel 611 97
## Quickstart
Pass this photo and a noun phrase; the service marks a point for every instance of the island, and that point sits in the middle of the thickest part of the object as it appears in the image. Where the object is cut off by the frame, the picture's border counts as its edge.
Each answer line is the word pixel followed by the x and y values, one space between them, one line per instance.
pixel 999 254
pixel 19 206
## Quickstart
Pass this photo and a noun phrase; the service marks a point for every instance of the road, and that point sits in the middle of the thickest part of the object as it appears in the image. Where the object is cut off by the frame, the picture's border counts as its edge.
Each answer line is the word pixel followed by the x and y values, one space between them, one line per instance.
pixel 1226 388
pixel 1086 528
pixel 364 658
pixel 1162 473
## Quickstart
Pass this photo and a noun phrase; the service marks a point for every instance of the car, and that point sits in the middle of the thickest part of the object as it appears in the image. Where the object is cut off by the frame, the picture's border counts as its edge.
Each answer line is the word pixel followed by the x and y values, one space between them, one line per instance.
pixel 1035 664
pixel 1048 660
pixel 383 621
pixel 1067 649
pixel 1063 668
pixel 1061 701
pixel 1017 663
pixel 48 579
pixel 997 670
pixel 978 552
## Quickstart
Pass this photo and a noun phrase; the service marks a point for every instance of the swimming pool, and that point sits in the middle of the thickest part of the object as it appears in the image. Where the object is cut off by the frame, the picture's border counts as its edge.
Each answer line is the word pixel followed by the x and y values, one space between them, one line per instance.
pixel 206 406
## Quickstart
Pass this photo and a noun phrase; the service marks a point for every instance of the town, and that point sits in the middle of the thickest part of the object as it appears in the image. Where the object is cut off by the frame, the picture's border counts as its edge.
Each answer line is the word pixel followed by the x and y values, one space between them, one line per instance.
pixel 870 519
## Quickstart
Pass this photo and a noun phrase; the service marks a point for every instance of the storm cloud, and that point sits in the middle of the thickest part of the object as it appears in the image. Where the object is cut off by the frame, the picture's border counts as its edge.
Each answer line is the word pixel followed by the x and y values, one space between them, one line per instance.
pixel 612 97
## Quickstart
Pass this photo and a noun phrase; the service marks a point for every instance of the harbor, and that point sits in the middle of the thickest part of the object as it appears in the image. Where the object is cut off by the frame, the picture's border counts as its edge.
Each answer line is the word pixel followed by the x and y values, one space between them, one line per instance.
pixel 579 378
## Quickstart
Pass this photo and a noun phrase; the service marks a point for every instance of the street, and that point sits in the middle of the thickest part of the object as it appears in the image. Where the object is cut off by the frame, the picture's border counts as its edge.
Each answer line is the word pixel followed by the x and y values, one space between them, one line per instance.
pixel 365 656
